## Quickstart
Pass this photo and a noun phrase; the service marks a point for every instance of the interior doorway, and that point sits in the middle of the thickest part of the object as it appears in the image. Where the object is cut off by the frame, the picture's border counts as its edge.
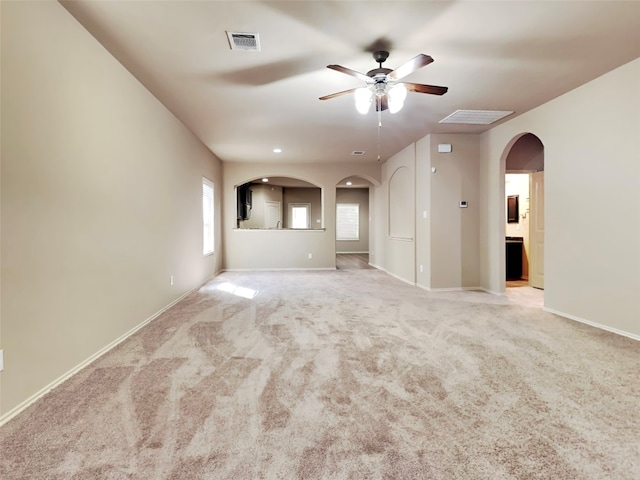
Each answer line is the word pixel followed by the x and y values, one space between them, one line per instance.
pixel 352 223
pixel 524 213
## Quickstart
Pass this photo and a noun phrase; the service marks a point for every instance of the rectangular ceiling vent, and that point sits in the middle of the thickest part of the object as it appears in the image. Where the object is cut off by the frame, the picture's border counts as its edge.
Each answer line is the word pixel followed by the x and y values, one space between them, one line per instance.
pixel 358 152
pixel 249 42
pixel 476 117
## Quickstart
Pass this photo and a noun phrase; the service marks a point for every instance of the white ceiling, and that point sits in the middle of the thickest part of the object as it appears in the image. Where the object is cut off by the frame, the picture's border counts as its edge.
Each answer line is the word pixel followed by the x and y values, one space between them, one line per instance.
pixel 502 55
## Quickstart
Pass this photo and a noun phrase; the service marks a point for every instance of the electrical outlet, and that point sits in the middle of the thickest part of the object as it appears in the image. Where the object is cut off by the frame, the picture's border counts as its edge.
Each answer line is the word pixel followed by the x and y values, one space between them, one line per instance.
pixel 310 256
pixel 171 280
pixel 1 360
pixel 421 269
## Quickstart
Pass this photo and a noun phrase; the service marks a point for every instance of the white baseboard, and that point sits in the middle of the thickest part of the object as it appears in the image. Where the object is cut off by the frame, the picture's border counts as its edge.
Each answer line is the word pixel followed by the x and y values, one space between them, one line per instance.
pixel 393 275
pixel 36 396
pixel 486 290
pixel 353 253
pixel 276 269
pixel 607 328
pixel 451 289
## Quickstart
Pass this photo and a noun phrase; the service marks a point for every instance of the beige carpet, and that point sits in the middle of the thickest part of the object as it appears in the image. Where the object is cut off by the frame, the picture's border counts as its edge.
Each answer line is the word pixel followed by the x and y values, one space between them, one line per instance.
pixel 341 375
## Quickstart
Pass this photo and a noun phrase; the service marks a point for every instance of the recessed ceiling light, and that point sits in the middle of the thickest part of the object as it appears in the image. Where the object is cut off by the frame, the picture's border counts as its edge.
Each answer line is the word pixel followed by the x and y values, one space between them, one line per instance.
pixel 277 150
pixel 265 179
pixel 349 183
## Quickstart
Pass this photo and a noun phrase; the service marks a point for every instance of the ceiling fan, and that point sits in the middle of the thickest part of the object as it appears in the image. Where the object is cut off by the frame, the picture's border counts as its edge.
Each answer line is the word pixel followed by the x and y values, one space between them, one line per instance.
pixel 383 85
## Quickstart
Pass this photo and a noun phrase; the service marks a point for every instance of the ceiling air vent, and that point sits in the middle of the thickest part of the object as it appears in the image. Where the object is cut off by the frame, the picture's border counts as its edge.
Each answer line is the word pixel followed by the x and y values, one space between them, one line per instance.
pixel 476 117
pixel 358 152
pixel 249 42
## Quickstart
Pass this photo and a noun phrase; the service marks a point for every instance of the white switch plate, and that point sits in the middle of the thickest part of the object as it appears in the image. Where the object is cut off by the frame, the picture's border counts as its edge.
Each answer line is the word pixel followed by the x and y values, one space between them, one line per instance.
pixel 310 256
pixel 1 360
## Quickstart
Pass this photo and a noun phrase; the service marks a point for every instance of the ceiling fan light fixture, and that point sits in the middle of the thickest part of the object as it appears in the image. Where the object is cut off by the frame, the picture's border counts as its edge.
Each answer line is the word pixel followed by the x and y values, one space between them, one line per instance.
pixel 363 98
pixel 396 96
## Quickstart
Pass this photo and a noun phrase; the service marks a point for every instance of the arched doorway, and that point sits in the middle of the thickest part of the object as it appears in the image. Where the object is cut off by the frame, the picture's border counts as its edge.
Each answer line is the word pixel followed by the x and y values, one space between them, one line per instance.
pixel 353 223
pixel 523 175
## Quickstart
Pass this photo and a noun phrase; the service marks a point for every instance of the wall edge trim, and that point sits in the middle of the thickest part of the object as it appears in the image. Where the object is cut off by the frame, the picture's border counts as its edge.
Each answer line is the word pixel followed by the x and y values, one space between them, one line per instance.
pixel 276 269
pixel 408 282
pixel 607 328
pixel 492 292
pixel 451 289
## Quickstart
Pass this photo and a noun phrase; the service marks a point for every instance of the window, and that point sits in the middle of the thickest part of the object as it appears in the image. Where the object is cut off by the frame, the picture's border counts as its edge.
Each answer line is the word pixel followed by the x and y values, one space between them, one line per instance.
pixel 207 216
pixel 299 215
pixel 347 221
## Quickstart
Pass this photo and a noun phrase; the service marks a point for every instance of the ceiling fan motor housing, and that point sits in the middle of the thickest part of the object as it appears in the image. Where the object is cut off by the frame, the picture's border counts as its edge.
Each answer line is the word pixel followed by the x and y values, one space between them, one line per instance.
pixel 382 72
pixel 380 56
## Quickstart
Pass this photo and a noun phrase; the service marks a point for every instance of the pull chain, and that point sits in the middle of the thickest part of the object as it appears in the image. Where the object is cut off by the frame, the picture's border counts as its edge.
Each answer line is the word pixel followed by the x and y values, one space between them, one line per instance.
pixel 379 101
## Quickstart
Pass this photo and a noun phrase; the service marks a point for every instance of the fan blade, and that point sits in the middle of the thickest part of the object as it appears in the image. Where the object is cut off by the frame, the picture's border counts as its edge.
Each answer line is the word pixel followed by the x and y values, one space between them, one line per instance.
pixel 411 66
pixel 338 94
pixel 353 73
pixel 384 104
pixel 420 88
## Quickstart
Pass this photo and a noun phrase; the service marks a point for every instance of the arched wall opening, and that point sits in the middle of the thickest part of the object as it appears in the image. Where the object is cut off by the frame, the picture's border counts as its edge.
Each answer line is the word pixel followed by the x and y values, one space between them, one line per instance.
pixel 279 202
pixel 522 183
pixel 354 222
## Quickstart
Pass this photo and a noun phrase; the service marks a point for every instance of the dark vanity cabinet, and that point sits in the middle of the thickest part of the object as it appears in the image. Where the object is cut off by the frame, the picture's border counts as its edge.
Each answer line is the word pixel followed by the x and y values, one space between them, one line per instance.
pixel 513 250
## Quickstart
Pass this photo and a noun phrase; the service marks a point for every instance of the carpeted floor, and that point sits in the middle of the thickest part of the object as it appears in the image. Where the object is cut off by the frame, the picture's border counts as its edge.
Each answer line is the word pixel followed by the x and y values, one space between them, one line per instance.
pixel 349 374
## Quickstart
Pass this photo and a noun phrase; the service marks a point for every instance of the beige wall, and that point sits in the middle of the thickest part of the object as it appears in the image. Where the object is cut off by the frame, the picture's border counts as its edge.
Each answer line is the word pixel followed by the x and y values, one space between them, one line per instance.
pixel 361 197
pixel 423 212
pixel 592 192
pixel 397 217
pixel 454 231
pixel 101 200
pixel 286 249
pixel 442 250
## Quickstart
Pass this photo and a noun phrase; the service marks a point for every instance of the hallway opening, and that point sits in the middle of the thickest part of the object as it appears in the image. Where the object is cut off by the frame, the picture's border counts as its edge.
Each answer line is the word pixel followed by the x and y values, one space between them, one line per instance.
pixel 524 214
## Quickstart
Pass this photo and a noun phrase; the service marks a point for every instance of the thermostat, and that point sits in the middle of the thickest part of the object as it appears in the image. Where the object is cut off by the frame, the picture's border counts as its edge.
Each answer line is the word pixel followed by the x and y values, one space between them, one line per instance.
pixel 444 148
pixel 463 204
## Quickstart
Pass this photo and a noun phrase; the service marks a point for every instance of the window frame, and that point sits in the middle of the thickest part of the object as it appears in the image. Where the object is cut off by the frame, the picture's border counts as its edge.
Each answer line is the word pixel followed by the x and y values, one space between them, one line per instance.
pixel 357 224
pixel 307 207
pixel 208 222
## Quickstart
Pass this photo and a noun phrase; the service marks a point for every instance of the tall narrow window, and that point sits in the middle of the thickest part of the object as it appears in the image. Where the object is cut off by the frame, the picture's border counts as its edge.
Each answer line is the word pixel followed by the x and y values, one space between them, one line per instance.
pixel 347 221
pixel 299 215
pixel 207 216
